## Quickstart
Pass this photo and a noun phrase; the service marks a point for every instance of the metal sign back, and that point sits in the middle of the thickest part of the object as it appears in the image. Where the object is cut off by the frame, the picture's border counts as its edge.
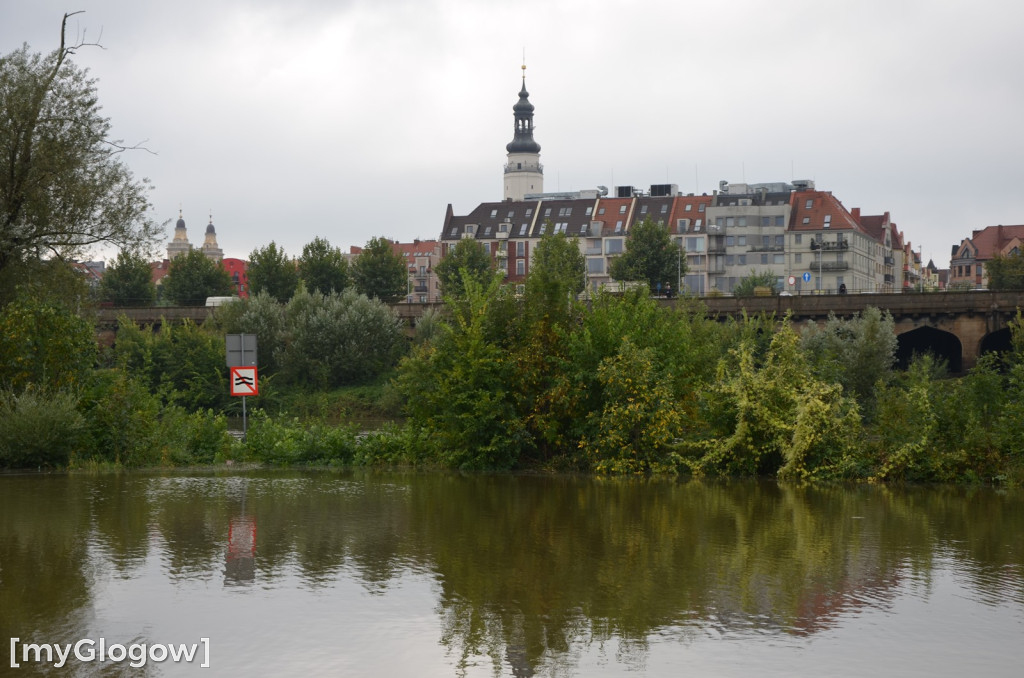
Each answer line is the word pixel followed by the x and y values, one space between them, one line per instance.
pixel 240 349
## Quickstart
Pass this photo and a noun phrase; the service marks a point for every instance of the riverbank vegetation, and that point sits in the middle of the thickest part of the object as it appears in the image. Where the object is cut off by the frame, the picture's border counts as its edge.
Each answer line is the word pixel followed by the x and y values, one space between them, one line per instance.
pixel 614 384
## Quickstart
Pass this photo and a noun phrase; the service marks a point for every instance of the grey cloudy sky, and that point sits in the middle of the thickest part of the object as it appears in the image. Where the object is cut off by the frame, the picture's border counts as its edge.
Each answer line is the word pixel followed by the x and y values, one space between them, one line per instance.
pixel 291 119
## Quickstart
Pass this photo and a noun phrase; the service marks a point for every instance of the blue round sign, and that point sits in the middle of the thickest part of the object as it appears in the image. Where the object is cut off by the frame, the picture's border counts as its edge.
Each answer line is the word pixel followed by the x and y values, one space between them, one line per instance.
pixel 807 277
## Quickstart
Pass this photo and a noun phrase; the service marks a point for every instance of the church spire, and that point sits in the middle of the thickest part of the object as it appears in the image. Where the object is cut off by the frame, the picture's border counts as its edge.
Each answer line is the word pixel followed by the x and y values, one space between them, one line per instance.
pixel 524 174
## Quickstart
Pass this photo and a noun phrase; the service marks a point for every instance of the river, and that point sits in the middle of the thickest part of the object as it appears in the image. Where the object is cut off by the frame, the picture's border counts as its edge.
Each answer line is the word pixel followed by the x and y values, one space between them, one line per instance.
pixel 363 573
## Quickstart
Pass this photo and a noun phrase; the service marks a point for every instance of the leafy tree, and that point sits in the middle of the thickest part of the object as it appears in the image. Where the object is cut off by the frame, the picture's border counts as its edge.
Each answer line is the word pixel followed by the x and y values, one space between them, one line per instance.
pixel 1005 272
pixel 650 257
pixel 558 274
pixel 42 342
pixel 51 279
pixel 128 281
pixel 63 186
pixel 467 254
pixel 271 271
pixel 323 268
pixel 856 353
pixel 748 285
pixel 336 339
pixel 192 277
pixel 379 272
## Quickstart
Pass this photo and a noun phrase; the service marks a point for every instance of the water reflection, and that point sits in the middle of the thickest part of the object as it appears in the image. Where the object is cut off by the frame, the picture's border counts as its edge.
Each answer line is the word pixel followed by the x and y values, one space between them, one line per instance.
pixel 532 574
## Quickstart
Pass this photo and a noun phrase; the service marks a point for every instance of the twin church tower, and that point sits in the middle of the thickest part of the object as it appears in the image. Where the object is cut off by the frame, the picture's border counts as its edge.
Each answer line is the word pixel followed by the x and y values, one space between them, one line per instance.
pixel 524 175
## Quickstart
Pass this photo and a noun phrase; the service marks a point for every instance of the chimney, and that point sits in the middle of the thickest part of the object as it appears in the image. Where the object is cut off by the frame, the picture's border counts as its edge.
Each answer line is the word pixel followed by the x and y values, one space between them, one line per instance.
pixel 855 212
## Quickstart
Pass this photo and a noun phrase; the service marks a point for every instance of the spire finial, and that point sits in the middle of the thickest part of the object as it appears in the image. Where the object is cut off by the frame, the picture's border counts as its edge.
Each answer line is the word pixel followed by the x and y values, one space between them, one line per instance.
pixel 524 65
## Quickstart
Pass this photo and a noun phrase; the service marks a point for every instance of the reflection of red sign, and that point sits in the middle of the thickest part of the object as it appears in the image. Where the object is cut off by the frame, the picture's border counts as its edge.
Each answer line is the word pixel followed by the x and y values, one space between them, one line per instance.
pixel 243 381
pixel 241 562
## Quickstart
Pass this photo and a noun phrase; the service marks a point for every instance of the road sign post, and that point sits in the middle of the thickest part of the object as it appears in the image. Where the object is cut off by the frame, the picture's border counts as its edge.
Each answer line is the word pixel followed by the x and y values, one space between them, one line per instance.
pixel 241 360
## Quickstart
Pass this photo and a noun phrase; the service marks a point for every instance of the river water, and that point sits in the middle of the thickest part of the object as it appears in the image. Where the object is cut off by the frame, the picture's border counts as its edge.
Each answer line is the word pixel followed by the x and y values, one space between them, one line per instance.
pixel 405 574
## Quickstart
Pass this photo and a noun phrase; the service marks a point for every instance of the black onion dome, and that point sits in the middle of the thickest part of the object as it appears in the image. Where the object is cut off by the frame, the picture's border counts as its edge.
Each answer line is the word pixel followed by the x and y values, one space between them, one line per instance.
pixel 180 224
pixel 209 229
pixel 523 141
pixel 523 105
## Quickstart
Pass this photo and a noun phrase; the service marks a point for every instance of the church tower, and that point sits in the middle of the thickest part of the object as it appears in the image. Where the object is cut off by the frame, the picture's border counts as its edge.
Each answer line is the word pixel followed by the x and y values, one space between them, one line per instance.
pixel 180 244
pixel 210 248
pixel 523 172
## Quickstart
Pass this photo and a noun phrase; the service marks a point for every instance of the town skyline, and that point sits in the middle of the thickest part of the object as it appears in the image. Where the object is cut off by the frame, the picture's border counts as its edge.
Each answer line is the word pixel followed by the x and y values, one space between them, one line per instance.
pixel 288 122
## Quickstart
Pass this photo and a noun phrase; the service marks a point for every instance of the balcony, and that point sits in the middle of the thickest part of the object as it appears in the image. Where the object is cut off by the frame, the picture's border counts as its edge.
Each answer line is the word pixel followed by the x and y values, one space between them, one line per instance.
pixel 767 248
pixel 890 261
pixel 830 266
pixel 593 251
pixel 889 278
pixel 827 246
pixel 539 168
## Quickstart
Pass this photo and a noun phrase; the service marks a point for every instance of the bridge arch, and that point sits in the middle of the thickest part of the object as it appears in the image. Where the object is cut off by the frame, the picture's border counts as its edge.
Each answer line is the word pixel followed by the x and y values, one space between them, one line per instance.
pixel 943 345
pixel 996 342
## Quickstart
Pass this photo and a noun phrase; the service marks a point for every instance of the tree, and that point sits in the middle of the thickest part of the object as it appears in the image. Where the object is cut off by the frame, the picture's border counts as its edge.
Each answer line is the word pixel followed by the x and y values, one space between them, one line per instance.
pixel 323 268
pixel 747 286
pixel 128 281
pixel 271 271
pixel 650 256
pixel 1005 272
pixel 63 186
pixel 43 343
pixel 558 274
pixel 193 277
pixel 380 272
pixel 469 255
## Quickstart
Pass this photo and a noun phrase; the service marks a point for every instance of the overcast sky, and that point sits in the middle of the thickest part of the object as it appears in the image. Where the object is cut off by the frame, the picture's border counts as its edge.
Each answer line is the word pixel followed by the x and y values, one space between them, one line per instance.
pixel 291 119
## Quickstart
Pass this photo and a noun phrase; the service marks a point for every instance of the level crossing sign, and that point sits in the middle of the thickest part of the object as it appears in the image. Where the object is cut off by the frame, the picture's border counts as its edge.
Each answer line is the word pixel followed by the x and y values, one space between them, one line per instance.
pixel 244 381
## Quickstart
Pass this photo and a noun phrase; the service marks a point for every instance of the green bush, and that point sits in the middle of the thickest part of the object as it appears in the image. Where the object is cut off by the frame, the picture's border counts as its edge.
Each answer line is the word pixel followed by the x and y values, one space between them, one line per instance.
pixel 293 442
pixel 199 437
pixel 122 421
pixel 38 428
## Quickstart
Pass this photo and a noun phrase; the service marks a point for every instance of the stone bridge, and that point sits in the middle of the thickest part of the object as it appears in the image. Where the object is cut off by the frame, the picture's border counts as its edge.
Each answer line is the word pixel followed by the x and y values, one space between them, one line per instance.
pixel 956 326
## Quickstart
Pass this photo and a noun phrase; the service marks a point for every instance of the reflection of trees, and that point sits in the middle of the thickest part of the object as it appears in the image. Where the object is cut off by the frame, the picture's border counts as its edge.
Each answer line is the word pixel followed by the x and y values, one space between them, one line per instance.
pixel 530 570
pixel 44 532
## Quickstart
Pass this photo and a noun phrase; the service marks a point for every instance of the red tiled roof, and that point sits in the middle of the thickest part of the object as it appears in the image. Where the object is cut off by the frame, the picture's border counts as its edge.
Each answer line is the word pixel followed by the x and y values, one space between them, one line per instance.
pixel 991 240
pixel 822 204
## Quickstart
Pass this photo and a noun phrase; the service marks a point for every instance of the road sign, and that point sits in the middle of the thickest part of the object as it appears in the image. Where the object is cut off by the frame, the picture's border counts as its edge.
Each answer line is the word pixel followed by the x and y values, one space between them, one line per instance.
pixel 241 349
pixel 792 280
pixel 807 276
pixel 244 382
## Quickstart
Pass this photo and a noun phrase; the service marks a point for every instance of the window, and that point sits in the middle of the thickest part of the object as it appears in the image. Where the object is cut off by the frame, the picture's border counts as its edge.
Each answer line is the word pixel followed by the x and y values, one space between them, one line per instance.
pixel 487 247
pixel 520 249
pixel 742 241
pixel 743 260
pixel 779 259
pixel 730 241
pixel 730 222
pixel 643 209
pixel 522 230
pixel 766 241
pixel 700 207
pixel 494 213
pixel 547 212
pixel 590 210
pixel 595 265
pixel 510 213
pixel 613 246
pixel 780 220
pixel 810 203
pixel 730 260
pixel 622 209
pixel 502 228
pixel 798 238
pixel 618 227
pixel 798 258
pixel 807 220
pixel 719 222
pixel 600 210
pixel 698 223
pixel 664 209
pixel 780 241
pixel 455 230
pixel 828 220
pixel 764 258
pixel 694 244
pixel 529 212
pixel 688 207
pixel 766 221
pixel 520 267
pixel 487 232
